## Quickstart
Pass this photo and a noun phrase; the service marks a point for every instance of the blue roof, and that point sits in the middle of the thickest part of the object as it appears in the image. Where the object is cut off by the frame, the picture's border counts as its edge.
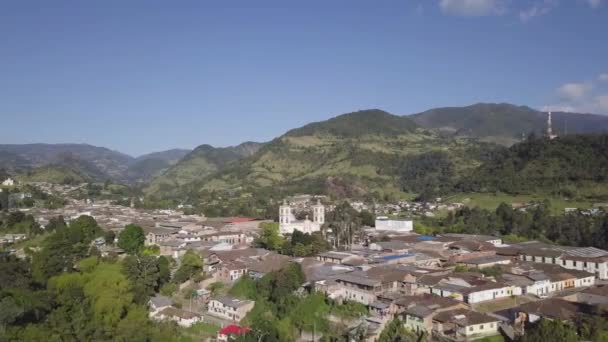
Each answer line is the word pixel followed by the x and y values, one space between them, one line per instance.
pixel 397 256
pixel 426 238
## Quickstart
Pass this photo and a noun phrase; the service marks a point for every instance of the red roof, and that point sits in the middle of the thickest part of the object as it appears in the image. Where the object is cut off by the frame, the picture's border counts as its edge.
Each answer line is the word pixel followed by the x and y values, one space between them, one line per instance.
pixel 239 219
pixel 234 330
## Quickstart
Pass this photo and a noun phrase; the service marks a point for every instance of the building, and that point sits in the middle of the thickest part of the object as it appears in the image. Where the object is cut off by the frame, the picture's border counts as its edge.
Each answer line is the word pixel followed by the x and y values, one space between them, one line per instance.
pixel 465 324
pixel 588 259
pixel 181 317
pixel 230 308
pixel 288 222
pixel 397 225
pixel 8 182
pixel 231 331
pixel 158 303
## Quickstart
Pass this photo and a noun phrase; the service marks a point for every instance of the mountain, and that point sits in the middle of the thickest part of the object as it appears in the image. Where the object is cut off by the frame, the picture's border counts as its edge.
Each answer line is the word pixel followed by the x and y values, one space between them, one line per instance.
pixel 202 161
pixel 350 155
pixel 146 167
pixel 83 162
pixel 570 166
pixel 96 162
pixel 505 123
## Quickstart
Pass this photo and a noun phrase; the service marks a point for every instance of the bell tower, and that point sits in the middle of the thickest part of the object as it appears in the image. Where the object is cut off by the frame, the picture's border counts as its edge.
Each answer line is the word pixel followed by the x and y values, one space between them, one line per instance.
pixel 318 213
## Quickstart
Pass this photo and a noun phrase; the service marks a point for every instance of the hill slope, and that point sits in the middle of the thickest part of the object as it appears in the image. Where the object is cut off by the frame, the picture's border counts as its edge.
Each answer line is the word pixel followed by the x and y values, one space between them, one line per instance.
pixel 505 123
pixel 566 166
pixel 202 161
pixel 350 155
pixel 147 167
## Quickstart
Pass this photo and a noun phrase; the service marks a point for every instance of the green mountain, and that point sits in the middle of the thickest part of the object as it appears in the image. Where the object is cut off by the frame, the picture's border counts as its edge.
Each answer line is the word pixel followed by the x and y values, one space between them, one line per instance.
pixel 202 161
pixel 354 154
pixel 53 174
pixel 569 166
pixel 149 166
pixel 505 123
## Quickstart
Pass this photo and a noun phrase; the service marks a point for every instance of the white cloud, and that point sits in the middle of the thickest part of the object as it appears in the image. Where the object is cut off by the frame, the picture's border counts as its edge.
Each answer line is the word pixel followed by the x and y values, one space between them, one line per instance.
pixel 574 91
pixel 539 8
pixel 472 8
pixel 603 77
pixel 601 103
pixel 594 3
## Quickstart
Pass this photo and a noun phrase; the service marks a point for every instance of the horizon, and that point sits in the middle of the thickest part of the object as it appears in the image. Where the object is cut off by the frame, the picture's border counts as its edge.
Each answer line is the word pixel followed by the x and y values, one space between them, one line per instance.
pixel 140 78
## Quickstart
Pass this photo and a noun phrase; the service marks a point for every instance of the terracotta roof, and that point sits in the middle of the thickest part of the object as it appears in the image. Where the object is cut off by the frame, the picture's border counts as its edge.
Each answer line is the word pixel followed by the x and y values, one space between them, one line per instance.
pixel 234 330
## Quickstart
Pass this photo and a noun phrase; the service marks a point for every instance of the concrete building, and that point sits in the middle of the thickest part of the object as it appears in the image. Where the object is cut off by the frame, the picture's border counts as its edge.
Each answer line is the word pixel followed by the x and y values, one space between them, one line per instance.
pixel 397 225
pixel 230 308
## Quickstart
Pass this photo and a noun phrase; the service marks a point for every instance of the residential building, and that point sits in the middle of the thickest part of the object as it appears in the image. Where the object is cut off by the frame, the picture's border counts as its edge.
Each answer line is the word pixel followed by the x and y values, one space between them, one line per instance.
pixel 230 308
pixel 464 324
pixel 181 317
pixel 397 225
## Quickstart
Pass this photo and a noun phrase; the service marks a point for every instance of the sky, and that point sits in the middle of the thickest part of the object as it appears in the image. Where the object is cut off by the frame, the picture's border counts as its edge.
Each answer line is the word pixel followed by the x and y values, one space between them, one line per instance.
pixel 143 76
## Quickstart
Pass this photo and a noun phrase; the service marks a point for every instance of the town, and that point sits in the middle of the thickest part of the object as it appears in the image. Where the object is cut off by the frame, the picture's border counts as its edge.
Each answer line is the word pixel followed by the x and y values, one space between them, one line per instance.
pixel 450 286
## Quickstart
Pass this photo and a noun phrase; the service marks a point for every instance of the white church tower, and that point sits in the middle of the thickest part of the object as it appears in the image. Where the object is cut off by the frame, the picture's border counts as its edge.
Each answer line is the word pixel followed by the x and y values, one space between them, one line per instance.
pixel 285 214
pixel 318 213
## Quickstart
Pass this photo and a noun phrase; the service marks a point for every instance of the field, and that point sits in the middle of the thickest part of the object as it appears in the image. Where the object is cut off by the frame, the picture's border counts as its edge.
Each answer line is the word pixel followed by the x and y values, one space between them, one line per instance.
pixel 199 332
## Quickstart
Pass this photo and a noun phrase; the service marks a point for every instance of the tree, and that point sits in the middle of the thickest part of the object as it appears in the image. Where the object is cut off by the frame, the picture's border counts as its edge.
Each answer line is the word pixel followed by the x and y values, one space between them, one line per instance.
pixel 270 237
pixel 55 223
pixel 109 236
pixel 191 265
pixel 144 274
pixel 550 330
pixel 131 239
pixel 395 331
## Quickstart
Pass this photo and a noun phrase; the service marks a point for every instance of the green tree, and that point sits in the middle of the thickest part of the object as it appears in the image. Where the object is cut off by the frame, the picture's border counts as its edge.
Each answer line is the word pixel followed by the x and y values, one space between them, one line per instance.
pixel 131 239
pixel 191 265
pixel 144 274
pixel 270 237
pixel 550 330
pixel 395 331
pixel 109 236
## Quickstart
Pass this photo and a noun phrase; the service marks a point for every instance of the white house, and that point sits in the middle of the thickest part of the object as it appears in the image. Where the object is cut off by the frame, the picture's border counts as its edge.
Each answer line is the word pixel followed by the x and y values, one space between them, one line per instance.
pixel 181 317
pixel 397 225
pixel 288 222
pixel 8 182
pixel 230 308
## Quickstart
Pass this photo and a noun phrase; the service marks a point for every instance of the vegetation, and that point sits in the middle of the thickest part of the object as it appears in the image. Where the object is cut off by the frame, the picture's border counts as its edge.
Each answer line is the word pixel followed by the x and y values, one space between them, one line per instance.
pixel 395 331
pixel 191 267
pixel 67 294
pixel 131 239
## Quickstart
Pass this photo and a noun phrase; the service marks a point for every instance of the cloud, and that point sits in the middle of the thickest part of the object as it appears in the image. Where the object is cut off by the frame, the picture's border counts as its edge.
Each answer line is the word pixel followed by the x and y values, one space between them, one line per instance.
pixel 601 103
pixel 603 77
pixel 574 91
pixel 472 8
pixel 594 3
pixel 539 8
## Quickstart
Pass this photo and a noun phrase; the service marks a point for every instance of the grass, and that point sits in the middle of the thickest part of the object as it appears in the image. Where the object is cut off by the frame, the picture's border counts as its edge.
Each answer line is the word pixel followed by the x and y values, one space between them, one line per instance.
pixel 199 332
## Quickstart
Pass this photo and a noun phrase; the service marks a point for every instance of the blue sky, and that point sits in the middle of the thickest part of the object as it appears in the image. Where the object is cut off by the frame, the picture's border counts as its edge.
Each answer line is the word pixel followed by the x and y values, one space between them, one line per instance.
pixel 142 76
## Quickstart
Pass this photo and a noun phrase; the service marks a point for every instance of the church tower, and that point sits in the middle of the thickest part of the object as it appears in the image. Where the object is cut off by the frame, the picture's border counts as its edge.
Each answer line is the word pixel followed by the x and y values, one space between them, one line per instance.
pixel 285 213
pixel 318 213
pixel 550 134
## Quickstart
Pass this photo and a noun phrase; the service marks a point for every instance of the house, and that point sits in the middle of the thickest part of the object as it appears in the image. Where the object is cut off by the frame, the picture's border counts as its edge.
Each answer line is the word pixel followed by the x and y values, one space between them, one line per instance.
pixel 265 264
pixel 230 308
pixel 8 182
pixel 181 317
pixel 158 303
pixel 588 259
pixel 472 288
pixel 484 262
pixel 597 295
pixel 156 236
pixel 418 312
pixel 464 324
pixel 231 331
pixel 496 241
pixel 389 246
pixel 231 271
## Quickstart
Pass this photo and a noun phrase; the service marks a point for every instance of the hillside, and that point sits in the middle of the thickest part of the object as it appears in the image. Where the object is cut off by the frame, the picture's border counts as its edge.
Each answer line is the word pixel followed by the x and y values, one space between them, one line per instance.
pixel 569 166
pixel 87 161
pixel 353 154
pixel 52 174
pixel 505 123
pixel 202 161
pixel 147 167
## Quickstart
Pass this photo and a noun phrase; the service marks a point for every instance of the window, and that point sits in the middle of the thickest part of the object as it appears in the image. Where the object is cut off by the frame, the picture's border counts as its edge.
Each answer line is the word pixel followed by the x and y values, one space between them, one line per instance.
pixel 481 327
pixel 470 328
pixel 574 263
pixel 563 262
pixel 491 325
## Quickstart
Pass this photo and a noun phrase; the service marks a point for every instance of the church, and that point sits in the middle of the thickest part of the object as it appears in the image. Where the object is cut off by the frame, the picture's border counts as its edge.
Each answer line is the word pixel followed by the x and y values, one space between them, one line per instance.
pixel 288 222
